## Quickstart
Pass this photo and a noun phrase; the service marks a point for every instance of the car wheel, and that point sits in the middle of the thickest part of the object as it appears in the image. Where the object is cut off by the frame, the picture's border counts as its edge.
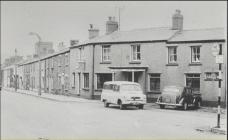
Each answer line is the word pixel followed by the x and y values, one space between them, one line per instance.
pixel 121 106
pixel 198 104
pixel 162 106
pixel 141 106
pixel 185 106
pixel 106 104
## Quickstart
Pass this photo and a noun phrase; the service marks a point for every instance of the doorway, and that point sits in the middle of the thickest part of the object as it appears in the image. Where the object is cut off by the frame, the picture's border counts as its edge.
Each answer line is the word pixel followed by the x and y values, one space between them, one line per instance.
pixel 79 84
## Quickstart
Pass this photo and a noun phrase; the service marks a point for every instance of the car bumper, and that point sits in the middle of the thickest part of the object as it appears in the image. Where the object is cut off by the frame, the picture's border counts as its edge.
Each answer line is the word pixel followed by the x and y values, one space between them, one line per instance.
pixel 137 102
pixel 170 104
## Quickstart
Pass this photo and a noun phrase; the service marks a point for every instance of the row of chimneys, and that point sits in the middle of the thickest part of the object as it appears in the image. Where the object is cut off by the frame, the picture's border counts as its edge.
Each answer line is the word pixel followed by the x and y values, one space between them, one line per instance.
pixel 112 25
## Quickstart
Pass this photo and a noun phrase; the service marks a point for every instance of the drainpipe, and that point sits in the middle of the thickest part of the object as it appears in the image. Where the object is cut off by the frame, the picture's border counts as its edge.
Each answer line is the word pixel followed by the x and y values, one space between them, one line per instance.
pixel 92 90
pixel 145 84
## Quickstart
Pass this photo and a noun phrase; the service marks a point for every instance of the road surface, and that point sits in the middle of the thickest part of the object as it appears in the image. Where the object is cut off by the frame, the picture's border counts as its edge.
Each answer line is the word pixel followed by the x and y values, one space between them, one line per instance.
pixel 29 117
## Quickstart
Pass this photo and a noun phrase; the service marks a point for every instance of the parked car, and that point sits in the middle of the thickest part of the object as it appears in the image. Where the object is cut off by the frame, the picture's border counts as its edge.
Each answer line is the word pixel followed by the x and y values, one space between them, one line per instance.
pixel 123 93
pixel 179 97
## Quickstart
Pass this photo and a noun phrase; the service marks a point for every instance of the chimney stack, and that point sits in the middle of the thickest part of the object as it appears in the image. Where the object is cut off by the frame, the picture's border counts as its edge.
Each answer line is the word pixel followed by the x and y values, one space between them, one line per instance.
pixel 93 32
pixel 111 25
pixel 73 42
pixel 177 20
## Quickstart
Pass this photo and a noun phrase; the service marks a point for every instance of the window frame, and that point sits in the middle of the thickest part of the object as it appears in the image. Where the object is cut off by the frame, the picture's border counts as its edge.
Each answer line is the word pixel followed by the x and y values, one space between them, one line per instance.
pixel 174 54
pixel 196 54
pixel 97 75
pixel 136 53
pixel 81 53
pixel 193 76
pixel 85 85
pixel 155 76
pixel 107 54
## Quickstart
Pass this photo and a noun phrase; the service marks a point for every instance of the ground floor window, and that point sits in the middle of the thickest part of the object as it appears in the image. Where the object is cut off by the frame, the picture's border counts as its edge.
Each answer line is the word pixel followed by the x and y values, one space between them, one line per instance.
pixel 103 77
pixel 154 82
pixel 86 80
pixel 193 80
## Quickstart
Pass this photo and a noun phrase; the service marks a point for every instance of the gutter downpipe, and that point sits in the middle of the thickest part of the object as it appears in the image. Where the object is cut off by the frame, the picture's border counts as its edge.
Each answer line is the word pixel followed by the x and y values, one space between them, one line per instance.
pixel 92 92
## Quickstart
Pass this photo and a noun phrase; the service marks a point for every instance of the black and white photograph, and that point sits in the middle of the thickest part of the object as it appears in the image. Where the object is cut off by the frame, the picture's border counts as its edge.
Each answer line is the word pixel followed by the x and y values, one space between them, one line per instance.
pixel 101 70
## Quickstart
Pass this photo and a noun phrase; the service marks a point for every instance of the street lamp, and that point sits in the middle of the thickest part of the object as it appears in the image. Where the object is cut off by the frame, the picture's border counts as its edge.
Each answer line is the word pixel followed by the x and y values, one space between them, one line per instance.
pixel 39 38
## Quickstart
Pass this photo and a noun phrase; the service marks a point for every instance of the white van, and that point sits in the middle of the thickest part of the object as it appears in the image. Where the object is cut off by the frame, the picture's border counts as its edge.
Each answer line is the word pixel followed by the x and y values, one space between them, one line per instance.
pixel 123 93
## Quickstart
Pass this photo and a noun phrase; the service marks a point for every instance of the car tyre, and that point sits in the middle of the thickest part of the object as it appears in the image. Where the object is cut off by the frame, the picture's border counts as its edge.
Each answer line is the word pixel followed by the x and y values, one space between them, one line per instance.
pixel 122 107
pixel 185 106
pixel 106 104
pixel 198 104
pixel 141 106
pixel 162 106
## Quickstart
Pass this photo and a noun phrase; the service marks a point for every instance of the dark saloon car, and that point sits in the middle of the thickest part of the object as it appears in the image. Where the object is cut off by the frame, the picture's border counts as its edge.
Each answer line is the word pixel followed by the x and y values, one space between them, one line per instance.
pixel 179 97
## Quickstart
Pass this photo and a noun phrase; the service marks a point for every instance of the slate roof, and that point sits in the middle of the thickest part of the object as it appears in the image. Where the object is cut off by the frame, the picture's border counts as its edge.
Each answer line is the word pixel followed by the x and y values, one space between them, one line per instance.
pixel 148 34
pixel 200 34
pixel 158 34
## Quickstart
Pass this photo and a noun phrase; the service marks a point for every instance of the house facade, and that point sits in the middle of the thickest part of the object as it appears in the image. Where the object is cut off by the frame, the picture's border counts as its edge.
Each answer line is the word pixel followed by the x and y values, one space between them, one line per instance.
pixel 154 57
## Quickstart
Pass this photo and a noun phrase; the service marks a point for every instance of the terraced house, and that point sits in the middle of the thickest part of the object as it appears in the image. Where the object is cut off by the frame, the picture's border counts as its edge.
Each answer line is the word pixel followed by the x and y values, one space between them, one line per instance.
pixel 153 57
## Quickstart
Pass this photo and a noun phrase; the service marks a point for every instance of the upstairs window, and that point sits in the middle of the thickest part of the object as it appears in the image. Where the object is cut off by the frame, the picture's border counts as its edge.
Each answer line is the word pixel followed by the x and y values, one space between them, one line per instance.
pixel 106 50
pixel 195 54
pixel 135 50
pixel 81 53
pixel 172 54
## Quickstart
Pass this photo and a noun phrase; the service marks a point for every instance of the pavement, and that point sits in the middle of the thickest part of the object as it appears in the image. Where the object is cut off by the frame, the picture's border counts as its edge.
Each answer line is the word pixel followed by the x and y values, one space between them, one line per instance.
pixel 49 96
pixel 62 98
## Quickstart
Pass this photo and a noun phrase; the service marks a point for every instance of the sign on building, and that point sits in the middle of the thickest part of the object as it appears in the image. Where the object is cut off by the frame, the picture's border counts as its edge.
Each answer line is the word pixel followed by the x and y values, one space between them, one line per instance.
pixel 219 59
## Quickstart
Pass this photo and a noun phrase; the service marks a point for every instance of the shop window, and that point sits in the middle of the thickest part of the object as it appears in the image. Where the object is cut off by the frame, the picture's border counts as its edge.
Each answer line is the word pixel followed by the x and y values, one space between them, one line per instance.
pixel 193 81
pixel 103 77
pixel 154 82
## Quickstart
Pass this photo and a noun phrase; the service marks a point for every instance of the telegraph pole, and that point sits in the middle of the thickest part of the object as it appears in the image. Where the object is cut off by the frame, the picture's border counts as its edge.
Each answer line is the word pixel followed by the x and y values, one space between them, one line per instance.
pixel 219 85
pixel 217 52
pixel 119 13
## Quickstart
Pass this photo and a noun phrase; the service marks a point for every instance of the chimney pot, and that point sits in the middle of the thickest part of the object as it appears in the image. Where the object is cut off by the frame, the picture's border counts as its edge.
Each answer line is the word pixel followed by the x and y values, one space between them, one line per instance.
pixel 111 25
pixel 177 20
pixel 91 26
pixel 93 32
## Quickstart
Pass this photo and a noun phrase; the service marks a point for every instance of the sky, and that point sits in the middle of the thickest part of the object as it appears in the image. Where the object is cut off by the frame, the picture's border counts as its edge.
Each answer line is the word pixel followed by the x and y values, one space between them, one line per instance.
pixel 62 21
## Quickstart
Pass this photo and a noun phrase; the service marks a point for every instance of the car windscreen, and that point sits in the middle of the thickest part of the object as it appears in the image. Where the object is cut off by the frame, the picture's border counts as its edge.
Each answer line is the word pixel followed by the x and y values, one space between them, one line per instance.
pixel 130 87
